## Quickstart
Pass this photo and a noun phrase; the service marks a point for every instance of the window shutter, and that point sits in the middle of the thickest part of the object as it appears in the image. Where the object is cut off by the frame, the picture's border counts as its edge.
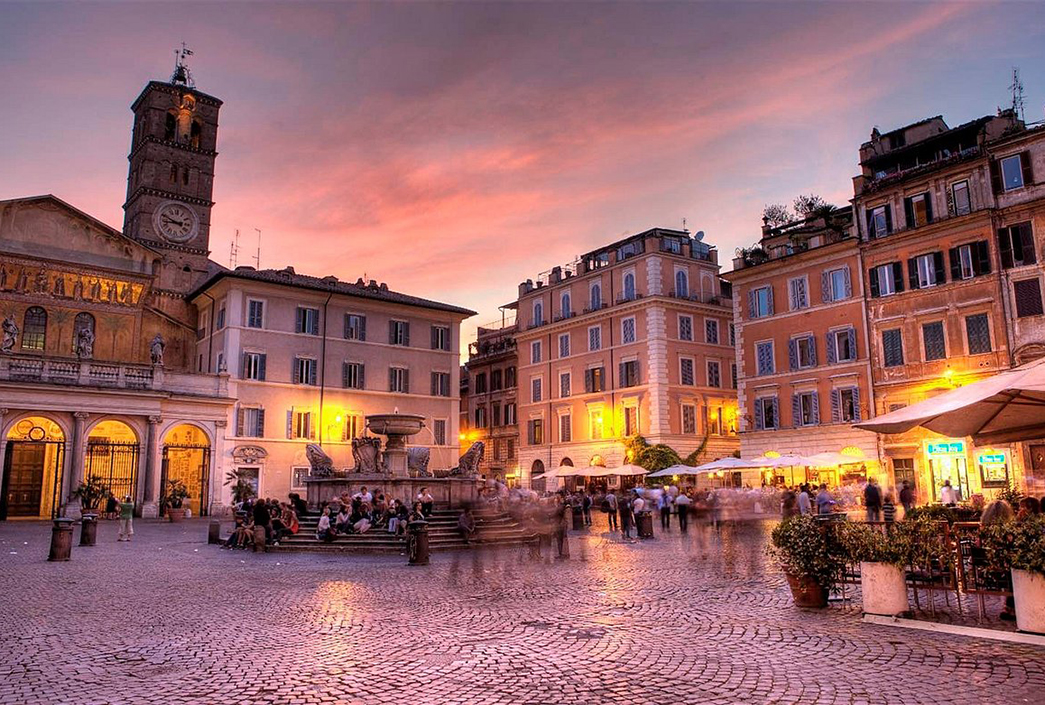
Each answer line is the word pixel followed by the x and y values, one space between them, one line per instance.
pixel 832 355
pixel 315 324
pixel 1028 169
pixel 290 423
pixel 406 381
pixel 912 272
pixel 956 264
pixel 261 366
pixel 311 429
pixel 908 212
pixel 856 404
pixel 259 432
pixel 751 304
pixel 406 334
pixel 299 326
pixel 239 421
pixel 435 384
pixel 362 327
pixel 312 372
pixel 825 287
pixel 435 343
pixel 983 258
pixel 297 370
pixel 243 366
pixel 836 405
pixel 621 377
pixel 391 379
pixel 941 275
pixel 344 375
pixel 812 350
pixel 870 223
pixel 1005 248
pixel 872 276
pixel 769 296
pixel 587 381
pixel 362 377
pixel 888 218
pixel 898 276
pixel 792 354
pixel 1027 241
pixel 816 408
pixel 929 207
pixel 760 422
pixel 796 411
pixel 996 176
pixel 848 281
pixel 852 342
pixel 1028 297
pixel 391 332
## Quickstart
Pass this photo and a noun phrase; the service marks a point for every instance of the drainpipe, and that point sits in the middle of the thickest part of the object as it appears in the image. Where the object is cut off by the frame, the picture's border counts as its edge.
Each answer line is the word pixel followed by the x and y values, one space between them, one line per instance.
pixel 323 366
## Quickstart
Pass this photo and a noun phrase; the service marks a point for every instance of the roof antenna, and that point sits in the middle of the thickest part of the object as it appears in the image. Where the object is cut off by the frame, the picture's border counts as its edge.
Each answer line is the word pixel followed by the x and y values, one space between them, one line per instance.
pixel 182 76
pixel 257 257
pixel 684 229
pixel 234 250
pixel 1017 94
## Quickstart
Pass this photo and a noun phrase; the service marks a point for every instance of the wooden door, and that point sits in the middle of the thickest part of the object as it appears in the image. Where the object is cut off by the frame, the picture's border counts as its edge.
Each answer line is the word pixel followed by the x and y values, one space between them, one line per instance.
pixel 23 484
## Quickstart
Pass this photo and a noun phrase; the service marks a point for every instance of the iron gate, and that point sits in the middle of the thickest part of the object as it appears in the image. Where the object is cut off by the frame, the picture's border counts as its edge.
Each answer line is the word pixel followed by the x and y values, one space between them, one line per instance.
pixel 25 470
pixel 115 465
pixel 190 464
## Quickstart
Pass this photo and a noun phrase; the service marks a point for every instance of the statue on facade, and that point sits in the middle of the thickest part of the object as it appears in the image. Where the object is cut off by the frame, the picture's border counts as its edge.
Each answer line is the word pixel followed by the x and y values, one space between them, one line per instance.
pixel 156 348
pixel 322 464
pixel 85 344
pixel 10 329
pixel 366 452
pixel 468 465
pixel 417 461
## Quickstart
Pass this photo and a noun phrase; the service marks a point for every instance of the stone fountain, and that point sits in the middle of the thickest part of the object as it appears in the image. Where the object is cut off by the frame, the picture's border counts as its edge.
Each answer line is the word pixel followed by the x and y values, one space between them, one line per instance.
pixel 397 428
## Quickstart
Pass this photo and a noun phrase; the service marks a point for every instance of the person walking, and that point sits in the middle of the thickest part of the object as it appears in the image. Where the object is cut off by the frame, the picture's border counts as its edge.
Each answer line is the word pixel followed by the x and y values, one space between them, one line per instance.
pixel 824 501
pixel 906 498
pixel 873 501
pixel 625 517
pixel 586 507
pixel 805 504
pixel 611 509
pixel 664 504
pixel 682 503
pixel 948 497
pixel 126 519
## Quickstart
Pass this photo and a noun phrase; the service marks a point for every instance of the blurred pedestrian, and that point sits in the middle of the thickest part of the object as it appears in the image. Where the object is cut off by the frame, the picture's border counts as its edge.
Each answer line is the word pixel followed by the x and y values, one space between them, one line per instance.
pixel 873 501
pixel 610 503
pixel 906 498
pixel 682 503
pixel 664 504
pixel 126 519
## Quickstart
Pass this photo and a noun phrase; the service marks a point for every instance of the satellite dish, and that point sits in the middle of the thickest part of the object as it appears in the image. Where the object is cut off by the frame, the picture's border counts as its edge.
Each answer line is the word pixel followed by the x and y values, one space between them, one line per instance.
pixel 699 236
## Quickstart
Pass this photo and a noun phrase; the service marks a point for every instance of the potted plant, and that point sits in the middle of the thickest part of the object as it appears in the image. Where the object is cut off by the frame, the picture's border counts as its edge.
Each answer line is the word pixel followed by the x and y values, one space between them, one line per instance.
pixel 1020 547
pixel 90 493
pixel 882 558
pixel 174 497
pixel 242 489
pixel 811 555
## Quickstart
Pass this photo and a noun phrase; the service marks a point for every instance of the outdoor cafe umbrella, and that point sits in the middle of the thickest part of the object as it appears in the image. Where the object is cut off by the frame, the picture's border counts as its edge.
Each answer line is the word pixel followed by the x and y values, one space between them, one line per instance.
pixel 1007 407
pixel 675 470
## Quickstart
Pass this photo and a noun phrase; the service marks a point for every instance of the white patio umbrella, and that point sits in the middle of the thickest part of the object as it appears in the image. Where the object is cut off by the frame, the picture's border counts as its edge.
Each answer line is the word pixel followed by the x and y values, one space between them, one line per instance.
pixel 1007 407
pixel 675 470
pixel 727 463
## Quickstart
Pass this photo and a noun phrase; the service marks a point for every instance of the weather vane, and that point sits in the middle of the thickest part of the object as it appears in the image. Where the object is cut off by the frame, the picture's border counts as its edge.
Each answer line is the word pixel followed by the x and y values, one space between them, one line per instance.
pixel 182 76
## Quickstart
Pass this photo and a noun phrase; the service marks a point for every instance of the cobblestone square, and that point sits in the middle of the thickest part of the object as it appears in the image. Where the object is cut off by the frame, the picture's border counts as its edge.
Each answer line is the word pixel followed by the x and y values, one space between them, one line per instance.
pixel 701 619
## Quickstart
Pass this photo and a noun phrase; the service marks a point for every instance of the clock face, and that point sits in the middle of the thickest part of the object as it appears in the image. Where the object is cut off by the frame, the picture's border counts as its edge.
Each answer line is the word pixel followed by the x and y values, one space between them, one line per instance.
pixel 176 222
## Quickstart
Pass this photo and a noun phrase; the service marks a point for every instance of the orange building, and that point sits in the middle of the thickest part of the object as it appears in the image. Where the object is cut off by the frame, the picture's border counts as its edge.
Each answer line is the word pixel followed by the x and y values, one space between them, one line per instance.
pixel 489 410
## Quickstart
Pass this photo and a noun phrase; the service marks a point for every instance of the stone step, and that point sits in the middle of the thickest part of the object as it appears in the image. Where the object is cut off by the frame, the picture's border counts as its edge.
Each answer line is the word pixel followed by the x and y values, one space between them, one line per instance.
pixel 400 547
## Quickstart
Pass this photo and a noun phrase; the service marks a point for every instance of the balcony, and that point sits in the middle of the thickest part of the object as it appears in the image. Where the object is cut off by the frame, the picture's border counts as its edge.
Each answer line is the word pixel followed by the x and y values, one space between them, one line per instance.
pixel 706 298
pixel 623 299
pixel 112 375
pixel 565 316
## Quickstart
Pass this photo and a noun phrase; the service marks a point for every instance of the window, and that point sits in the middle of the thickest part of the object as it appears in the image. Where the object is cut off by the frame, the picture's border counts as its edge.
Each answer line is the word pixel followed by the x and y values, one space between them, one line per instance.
pixel 305 370
pixel 627 330
pixel 480 417
pixel 978 333
pixel 496 381
pixel 802 352
pixel 439 431
pixel 538 313
pixel 960 198
pixel 480 383
pixel 564 345
pixel 714 374
pixel 511 448
pixel 760 302
pixel 841 345
pixel 250 422
pixel 689 418
pixel 173 177
pixel 926 270
pixel 194 134
pixel 886 279
pixel 805 408
pixel 685 327
pixel 564 384
pixel 509 414
pixel 933 341
pixel 732 335
pixel 565 428
pixel 799 298
pixel 971 260
pixel 399 333
pixel 300 425
pixel 254 366
pixel 355 327
pixel 535 432
pixel 535 351
pixel 440 384
pixel 595 338
pixel 766 414
pixel 636 247
pixel 170 125
pixel 629 373
pixel 307 321
pixel 595 380
pixel 596 297
pixel 220 366
pixel 1028 297
pixel 565 305
pixel 764 356
pixel 845 405
pixel 595 424
pixel 880 221
pixel 681 284
pixel 220 320
pixel 892 347
pixel 255 313
pixel 836 285
pixel 629 286
pixel 509 377
pixel 631 420
pixel 496 414
pixel 34 329
pixel 353 375
pixel 535 389
pixel 686 374
pixel 1016 243
pixel 1012 172
pixel 399 380
pixel 733 374
pixel 711 331
pixel 83 321
pixel 918 210
pixel 354 426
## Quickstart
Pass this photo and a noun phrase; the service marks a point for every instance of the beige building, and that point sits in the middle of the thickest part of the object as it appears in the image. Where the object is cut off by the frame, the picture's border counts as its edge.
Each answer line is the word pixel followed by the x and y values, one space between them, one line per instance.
pixel 489 409
pixel 634 338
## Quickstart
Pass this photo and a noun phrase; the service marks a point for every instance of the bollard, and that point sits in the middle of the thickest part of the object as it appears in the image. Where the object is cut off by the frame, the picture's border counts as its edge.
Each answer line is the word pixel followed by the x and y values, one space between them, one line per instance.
pixel 88 529
pixel 214 531
pixel 418 542
pixel 644 523
pixel 259 539
pixel 61 540
pixel 578 518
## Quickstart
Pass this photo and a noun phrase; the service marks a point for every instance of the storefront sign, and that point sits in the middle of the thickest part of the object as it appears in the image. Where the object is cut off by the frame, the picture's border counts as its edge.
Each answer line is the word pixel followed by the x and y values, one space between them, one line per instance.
pixel 992 459
pixel 945 448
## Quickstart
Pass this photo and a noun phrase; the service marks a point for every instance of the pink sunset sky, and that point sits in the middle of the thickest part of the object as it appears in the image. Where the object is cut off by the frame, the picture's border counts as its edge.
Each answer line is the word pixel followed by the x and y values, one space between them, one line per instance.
pixel 454 150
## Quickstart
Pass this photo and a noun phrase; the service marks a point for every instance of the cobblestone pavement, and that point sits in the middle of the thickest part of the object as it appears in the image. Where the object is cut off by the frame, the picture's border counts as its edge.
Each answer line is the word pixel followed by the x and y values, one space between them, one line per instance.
pixel 169 619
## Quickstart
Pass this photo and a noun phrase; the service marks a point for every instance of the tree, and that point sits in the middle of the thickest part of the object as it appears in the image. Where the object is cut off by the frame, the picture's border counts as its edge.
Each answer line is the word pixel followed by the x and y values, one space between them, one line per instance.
pixel 812 204
pixel 776 215
pixel 652 458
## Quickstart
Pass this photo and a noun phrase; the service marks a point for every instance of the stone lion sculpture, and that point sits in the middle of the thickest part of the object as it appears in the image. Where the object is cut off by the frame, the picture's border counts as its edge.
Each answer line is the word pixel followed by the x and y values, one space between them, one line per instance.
pixel 322 464
pixel 366 452
pixel 469 462
pixel 417 461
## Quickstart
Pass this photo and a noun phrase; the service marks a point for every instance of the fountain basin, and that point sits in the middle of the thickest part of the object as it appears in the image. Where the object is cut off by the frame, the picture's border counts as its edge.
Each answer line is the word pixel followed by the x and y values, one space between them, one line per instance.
pixel 395 424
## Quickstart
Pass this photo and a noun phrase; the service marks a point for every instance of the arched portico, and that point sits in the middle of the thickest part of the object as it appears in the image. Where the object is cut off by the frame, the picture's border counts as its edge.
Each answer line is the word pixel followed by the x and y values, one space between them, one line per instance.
pixel 33 464
pixel 186 458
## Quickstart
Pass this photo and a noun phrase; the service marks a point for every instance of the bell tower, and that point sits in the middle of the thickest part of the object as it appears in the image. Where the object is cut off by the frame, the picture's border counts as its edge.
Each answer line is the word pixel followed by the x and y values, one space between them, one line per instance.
pixel 171 178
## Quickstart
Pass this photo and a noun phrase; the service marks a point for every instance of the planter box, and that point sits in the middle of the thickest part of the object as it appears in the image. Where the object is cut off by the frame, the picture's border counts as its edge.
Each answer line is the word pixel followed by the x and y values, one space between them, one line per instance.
pixel 1028 591
pixel 175 515
pixel 884 589
pixel 806 591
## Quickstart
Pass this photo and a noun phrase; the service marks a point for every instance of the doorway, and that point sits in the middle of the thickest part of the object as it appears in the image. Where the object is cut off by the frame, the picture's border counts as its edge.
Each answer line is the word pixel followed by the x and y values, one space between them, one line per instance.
pixel 111 457
pixel 186 459
pixel 32 473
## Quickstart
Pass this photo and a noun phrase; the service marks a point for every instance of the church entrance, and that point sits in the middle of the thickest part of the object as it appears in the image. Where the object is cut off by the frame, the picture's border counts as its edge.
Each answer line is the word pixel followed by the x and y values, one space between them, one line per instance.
pixel 186 459
pixel 112 458
pixel 32 476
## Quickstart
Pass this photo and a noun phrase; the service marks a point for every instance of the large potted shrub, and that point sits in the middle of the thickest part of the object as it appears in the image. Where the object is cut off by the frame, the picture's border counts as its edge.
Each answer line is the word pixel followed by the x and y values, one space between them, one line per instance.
pixel 91 492
pixel 1020 547
pixel 882 558
pixel 811 555
pixel 174 496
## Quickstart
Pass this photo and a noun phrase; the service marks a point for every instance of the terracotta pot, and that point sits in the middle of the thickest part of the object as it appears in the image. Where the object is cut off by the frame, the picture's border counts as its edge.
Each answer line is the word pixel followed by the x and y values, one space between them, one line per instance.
pixel 806 591
pixel 175 515
pixel 1028 591
pixel 883 588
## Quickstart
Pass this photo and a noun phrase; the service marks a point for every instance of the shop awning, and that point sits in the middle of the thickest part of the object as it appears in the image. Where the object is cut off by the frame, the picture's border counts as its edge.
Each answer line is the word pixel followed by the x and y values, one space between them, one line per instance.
pixel 1010 406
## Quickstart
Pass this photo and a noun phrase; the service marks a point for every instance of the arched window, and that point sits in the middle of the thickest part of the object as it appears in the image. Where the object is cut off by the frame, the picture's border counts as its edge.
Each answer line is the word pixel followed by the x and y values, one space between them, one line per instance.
pixel 170 127
pixel 629 286
pixel 681 284
pixel 185 176
pixel 34 329
pixel 83 321
pixel 196 131
pixel 174 173
pixel 538 313
pixel 596 296
pixel 564 304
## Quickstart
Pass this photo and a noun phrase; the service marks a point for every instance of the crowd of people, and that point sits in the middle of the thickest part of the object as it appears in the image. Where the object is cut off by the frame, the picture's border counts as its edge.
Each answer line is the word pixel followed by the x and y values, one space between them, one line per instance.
pixel 277 519
pixel 364 511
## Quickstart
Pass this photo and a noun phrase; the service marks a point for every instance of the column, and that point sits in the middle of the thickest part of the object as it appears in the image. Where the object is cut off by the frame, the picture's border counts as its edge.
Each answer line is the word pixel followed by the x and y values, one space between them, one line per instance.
pixel 72 473
pixel 3 439
pixel 217 470
pixel 150 505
